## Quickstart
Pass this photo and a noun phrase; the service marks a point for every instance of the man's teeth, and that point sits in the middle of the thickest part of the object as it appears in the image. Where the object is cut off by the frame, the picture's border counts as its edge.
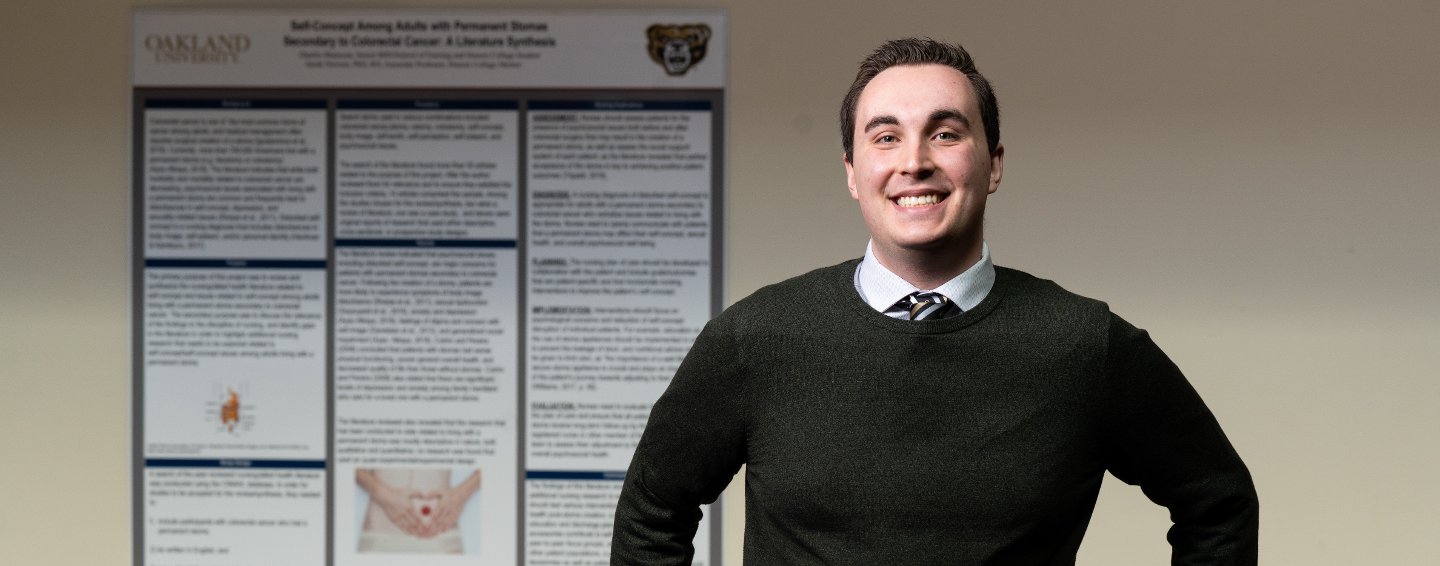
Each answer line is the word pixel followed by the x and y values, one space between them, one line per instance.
pixel 921 200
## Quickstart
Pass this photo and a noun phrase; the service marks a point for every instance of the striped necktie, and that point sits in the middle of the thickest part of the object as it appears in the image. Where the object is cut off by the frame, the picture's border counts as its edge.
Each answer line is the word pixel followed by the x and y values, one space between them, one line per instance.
pixel 923 305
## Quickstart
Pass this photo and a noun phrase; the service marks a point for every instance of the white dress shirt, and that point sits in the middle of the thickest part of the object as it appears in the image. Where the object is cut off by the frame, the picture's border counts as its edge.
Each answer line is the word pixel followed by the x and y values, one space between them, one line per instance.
pixel 882 288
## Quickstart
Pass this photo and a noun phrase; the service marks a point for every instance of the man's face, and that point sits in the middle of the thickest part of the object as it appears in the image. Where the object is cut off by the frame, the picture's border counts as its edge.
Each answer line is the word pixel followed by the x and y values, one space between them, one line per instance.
pixel 920 167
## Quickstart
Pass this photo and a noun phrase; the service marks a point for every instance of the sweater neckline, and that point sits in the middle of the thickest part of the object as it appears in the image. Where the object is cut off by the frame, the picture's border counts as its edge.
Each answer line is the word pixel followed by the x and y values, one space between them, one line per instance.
pixel 841 285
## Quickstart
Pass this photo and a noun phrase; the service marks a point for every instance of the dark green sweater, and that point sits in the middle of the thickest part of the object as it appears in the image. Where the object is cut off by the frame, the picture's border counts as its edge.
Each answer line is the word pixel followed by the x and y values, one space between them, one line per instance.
pixel 978 439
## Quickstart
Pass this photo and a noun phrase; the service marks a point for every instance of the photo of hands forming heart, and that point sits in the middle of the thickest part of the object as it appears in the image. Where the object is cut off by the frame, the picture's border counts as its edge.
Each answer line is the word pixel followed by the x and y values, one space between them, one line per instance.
pixel 425 505
pixel 417 510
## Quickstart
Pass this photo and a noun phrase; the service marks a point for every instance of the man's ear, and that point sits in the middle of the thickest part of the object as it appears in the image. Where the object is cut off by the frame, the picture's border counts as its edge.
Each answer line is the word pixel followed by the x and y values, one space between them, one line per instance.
pixel 850 175
pixel 997 167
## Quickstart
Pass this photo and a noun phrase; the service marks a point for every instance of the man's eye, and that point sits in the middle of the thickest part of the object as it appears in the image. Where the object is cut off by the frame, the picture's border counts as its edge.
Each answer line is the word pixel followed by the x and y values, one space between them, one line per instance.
pixel 887 138
pixel 947 136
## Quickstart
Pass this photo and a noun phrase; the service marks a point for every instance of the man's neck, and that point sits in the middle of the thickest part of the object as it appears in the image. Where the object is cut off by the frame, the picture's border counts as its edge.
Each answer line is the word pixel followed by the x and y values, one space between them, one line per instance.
pixel 927 269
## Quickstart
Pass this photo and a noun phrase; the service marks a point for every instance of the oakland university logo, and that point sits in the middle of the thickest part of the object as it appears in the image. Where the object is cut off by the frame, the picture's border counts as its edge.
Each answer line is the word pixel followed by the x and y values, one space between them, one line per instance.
pixel 678 47
pixel 193 48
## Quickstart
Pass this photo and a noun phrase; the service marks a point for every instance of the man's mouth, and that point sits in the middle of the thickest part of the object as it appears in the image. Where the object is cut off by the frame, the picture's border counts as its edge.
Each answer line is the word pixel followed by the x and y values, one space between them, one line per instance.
pixel 911 201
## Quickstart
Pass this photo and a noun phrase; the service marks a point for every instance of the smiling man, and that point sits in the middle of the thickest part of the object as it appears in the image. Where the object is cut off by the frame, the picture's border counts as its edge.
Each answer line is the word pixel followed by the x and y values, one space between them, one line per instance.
pixel 921 165
pixel 922 405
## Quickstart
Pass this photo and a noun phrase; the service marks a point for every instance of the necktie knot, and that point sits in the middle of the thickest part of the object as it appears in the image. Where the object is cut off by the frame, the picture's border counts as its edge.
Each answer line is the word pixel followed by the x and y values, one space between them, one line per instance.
pixel 924 305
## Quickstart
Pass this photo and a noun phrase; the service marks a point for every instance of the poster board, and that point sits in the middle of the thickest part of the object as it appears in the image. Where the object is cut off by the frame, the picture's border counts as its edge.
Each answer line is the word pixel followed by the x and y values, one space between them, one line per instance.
pixel 406 282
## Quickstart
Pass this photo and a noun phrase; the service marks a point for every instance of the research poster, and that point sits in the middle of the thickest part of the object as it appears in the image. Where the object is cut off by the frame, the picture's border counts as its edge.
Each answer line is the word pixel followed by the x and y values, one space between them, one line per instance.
pixel 407 282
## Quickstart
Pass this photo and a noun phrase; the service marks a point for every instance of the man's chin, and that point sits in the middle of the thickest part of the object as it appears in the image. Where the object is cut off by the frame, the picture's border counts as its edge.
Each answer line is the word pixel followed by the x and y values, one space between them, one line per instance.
pixel 931 243
pixel 937 245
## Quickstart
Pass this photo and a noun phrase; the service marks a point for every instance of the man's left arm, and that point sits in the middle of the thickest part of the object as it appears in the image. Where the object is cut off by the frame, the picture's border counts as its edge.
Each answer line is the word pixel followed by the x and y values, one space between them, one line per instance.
pixel 1161 437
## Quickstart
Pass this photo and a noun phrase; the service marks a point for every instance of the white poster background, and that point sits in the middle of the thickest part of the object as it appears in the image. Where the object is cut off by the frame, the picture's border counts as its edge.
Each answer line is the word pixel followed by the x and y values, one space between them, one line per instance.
pixel 225 54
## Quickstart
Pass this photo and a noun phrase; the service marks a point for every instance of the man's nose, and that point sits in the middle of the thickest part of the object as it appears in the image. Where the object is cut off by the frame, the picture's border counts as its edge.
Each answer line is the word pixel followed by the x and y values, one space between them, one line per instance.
pixel 917 160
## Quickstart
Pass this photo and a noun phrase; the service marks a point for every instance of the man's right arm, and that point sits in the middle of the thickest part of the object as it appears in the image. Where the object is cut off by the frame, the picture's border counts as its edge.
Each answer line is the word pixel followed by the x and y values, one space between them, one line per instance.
pixel 692 446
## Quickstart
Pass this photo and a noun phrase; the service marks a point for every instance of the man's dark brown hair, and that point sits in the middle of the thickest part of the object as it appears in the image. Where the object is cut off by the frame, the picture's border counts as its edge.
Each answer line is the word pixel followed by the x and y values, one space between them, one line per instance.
pixel 915 51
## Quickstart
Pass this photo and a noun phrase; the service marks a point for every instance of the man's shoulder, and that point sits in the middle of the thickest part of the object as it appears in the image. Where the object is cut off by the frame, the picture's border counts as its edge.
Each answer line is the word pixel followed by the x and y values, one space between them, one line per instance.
pixel 1022 289
pixel 1041 300
pixel 821 286
pixel 822 278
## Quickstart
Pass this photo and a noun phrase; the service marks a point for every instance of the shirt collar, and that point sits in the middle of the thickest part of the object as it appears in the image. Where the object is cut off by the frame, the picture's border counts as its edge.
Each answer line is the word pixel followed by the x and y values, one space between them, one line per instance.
pixel 881 287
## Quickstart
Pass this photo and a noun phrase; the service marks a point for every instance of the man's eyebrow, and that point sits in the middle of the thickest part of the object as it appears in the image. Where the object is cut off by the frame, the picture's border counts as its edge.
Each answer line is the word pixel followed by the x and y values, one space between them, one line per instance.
pixel 944 114
pixel 881 121
pixel 940 115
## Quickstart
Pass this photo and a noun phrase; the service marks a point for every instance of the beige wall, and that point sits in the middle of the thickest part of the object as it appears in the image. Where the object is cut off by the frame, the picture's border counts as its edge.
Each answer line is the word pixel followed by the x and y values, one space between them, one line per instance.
pixel 1256 183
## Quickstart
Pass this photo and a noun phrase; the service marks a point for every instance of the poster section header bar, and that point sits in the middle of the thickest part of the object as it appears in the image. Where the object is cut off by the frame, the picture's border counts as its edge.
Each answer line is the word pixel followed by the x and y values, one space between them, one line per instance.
pixel 239 263
pixel 234 103
pixel 234 463
pixel 371 243
pixel 426 48
pixel 574 475
pixel 610 105
pixel 428 104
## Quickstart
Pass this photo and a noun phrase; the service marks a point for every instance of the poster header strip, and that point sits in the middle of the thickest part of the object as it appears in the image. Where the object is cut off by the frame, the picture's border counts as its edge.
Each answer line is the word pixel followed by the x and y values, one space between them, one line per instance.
pixel 430 48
